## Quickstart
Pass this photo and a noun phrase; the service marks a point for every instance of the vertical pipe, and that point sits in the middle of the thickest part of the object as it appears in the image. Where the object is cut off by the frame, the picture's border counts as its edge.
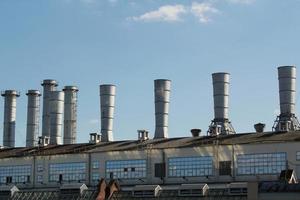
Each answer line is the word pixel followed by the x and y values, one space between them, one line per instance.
pixel 162 89
pixel 48 86
pixel 70 114
pixel 33 116
pixel 10 106
pixel 56 103
pixel 221 95
pixel 287 89
pixel 107 104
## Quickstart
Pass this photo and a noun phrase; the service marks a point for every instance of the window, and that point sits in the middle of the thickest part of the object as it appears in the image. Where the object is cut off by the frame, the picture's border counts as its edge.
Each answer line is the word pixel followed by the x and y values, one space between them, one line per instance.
pixel 190 166
pixel 67 172
pixel 262 163
pixel 225 168
pixel 15 174
pixel 40 178
pixel 95 177
pixel 298 155
pixel 40 168
pixel 126 169
pixel 95 164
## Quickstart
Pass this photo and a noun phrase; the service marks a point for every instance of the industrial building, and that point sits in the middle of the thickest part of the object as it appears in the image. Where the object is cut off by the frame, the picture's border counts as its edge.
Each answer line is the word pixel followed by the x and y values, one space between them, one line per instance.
pixel 221 164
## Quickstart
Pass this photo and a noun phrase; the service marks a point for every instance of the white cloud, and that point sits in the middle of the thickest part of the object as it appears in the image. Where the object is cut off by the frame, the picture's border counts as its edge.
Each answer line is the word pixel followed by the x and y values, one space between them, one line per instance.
pixel 203 11
pixel 94 121
pixel 167 13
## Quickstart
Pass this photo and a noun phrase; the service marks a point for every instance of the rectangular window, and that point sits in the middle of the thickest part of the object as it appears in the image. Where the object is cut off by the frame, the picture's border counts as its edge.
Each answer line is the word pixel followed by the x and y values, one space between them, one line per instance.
pixel 190 166
pixel 67 172
pixel 261 163
pixel 225 168
pixel 40 168
pixel 95 177
pixel 40 178
pixel 95 164
pixel 298 155
pixel 126 169
pixel 15 174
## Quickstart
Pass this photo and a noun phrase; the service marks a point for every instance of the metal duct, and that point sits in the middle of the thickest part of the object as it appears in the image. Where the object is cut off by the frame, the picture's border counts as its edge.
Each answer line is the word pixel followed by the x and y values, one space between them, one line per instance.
pixel 56 103
pixel 107 102
pixel 10 105
pixel 162 90
pixel 33 117
pixel 287 121
pixel 221 123
pixel 48 86
pixel 70 114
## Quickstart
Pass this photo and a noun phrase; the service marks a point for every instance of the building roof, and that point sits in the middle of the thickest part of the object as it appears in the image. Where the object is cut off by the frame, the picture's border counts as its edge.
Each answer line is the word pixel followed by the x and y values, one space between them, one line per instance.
pixel 127 145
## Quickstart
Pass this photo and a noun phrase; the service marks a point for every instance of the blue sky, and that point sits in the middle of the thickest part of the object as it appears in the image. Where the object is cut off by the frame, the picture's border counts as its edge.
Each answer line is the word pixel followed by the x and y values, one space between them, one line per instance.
pixel 131 43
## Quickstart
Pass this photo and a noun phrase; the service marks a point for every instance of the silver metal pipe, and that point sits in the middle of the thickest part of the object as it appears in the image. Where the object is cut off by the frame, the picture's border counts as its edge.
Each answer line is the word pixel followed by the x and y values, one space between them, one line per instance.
pixel 56 102
pixel 107 104
pixel 48 86
pixel 162 90
pixel 33 117
pixel 221 94
pixel 70 114
pixel 10 106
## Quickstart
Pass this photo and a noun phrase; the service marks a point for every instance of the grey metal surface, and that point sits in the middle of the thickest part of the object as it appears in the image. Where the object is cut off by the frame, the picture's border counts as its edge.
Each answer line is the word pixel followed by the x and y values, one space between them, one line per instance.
pixel 107 104
pixel 33 117
pixel 56 102
pixel 10 106
pixel 162 90
pixel 70 114
pixel 48 86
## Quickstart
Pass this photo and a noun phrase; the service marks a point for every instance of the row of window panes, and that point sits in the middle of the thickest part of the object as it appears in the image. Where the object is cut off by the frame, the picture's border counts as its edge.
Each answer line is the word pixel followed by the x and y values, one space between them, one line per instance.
pixel 69 171
pixel 16 179
pixel 68 177
pixel 95 164
pixel 121 175
pixel 19 173
pixel 126 169
pixel 298 155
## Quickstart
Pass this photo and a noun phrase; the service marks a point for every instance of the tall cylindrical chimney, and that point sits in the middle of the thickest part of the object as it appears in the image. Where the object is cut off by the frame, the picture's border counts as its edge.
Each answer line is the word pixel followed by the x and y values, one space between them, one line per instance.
pixel 70 114
pixel 107 101
pixel 162 90
pixel 10 106
pixel 33 117
pixel 56 102
pixel 287 89
pixel 287 120
pixel 48 86
pixel 221 124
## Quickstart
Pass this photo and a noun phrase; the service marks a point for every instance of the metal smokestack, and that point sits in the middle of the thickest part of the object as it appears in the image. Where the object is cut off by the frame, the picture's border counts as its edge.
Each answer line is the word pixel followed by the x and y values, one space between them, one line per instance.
pixel 287 121
pixel 162 90
pixel 10 106
pixel 107 102
pixel 33 118
pixel 221 124
pixel 56 103
pixel 70 114
pixel 48 86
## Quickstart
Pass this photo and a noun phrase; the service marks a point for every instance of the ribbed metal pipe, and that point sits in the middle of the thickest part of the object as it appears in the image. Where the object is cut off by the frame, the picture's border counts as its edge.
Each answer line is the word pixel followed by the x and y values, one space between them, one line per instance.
pixel 10 106
pixel 49 85
pixel 287 89
pixel 162 90
pixel 70 114
pixel 33 117
pixel 221 95
pixel 107 104
pixel 56 102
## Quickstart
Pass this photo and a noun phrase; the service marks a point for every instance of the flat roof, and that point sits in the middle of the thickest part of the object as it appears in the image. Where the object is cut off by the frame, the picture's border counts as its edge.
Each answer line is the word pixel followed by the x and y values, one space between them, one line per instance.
pixel 129 145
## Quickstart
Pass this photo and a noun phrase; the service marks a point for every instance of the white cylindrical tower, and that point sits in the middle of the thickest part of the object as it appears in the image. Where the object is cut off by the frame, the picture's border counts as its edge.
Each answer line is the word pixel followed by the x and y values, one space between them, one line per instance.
pixel 10 105
pixel 70 114
pixel 56 102
pixel 107 104
pixel 33 117
pixel 162 90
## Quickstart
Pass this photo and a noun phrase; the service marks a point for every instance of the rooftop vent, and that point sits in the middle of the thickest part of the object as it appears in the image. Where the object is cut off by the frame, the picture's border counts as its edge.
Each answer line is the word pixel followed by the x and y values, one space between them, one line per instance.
pixel 143 135
pixel 259 127
pixel 195 132
pixel 71 189
pixel 95 138
pixel 43 141
pixel 7 191
pixel 146 191
pixel 193 190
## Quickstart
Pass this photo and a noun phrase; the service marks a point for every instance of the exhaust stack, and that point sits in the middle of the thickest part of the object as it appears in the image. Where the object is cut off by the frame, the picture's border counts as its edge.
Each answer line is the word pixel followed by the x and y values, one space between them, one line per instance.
pixel 107 104
pixel 48 86
pixel 33 118
pixel 221 125
pixel 287 120
pixel 56 103
pixel 162 90
pixel 10 105
pixel 70 114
